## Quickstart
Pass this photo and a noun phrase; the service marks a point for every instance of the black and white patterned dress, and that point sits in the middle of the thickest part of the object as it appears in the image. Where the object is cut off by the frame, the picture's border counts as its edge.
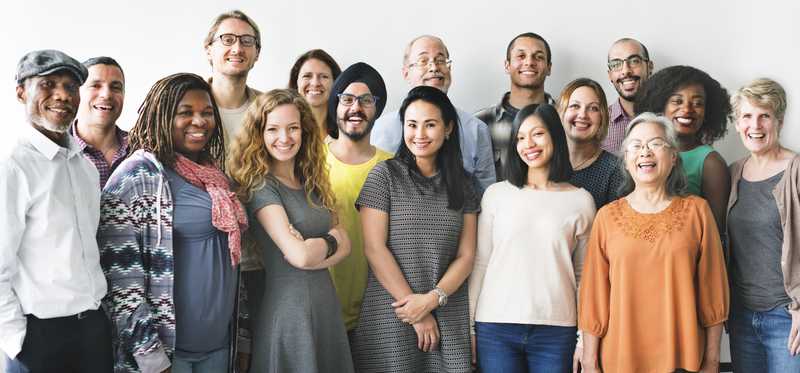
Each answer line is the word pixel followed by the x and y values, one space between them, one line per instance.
pixel 423 237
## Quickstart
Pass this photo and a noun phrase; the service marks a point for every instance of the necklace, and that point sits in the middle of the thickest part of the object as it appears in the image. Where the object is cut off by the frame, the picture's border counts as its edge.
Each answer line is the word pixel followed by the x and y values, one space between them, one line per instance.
pixel 588 160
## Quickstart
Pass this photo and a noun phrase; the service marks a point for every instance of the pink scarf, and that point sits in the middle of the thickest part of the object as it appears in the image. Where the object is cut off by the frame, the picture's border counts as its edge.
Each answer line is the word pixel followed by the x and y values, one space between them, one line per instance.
pixel 227 213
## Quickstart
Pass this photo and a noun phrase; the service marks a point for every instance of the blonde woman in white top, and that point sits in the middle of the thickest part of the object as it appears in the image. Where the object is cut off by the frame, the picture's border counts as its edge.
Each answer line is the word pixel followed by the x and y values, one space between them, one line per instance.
pixel 532 234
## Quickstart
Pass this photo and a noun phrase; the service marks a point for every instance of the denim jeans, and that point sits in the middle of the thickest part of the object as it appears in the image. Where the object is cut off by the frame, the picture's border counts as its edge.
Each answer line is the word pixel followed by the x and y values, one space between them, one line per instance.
pixel 512 348
pixel 759 341
pixel 214 362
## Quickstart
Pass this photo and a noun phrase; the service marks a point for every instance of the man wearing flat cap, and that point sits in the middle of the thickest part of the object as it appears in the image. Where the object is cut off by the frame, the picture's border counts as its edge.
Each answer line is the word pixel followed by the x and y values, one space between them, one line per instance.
pixel 51 283
pixel 426 61
pixel 357 97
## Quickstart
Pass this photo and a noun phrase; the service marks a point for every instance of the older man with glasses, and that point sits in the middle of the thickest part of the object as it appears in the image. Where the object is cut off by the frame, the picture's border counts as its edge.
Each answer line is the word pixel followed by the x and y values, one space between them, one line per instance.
pixel 426 61
pixel 629 66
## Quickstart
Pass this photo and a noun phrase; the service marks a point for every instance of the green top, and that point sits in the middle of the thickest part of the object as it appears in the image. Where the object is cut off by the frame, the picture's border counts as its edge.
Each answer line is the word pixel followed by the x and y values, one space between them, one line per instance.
pixel 692 161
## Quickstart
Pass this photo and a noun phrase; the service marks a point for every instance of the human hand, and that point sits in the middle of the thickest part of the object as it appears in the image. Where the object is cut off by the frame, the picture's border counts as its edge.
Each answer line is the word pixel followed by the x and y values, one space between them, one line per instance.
pixel 794 334
pixel 427 333
pixel 577 357
pixel 295 233
pixel 244 362
pixel 413 307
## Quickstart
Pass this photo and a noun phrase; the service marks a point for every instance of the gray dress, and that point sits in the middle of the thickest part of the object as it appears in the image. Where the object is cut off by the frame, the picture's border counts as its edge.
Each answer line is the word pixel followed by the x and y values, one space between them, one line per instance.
pixel 298 325
pixel 423 238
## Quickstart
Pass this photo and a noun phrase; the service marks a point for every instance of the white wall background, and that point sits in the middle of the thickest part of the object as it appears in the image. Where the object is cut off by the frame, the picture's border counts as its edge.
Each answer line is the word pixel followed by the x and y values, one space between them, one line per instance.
pixel 735 41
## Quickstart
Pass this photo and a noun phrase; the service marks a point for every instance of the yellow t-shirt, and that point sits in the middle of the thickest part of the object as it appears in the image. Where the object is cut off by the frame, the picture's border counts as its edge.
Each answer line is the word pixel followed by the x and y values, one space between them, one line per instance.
pixel 350 275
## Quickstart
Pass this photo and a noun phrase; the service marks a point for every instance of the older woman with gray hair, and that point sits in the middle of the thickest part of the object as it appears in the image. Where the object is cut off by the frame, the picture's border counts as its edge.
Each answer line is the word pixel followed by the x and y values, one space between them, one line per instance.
pixel 764 229
pixel 654 292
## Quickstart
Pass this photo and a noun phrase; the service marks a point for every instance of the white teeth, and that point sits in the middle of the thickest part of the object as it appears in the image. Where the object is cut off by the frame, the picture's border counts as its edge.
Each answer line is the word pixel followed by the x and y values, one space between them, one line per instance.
pixel 684 120
pixel 756 135
pixel 646 165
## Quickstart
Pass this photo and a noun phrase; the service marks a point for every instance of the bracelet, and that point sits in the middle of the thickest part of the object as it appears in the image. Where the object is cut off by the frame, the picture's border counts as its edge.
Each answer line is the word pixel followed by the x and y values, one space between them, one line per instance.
pixel 333 245
pixel 441 294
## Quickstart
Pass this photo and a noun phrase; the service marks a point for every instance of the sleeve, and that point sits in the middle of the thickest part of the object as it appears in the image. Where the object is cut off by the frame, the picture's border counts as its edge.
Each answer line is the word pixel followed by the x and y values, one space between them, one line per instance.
pixel 595 289
pixel 13 208
pixel 120 239
pixel 484 165
pixel 583 228
pixel 267 195
pixel 482 254
pixel 376 193
pixel 712 279
pixel 387 133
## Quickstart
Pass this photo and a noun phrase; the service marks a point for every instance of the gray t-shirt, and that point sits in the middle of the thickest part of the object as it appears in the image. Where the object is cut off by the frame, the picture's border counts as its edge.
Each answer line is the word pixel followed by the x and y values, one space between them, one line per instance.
pixel 204 290
pixel 756 238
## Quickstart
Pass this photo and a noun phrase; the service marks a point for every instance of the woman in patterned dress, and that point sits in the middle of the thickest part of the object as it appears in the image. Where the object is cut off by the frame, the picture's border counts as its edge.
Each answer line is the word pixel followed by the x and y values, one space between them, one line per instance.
pixel 419 216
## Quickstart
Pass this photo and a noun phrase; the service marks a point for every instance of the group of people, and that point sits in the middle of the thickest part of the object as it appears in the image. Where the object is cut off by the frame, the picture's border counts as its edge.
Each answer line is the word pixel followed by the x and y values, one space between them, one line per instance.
pixel 305 230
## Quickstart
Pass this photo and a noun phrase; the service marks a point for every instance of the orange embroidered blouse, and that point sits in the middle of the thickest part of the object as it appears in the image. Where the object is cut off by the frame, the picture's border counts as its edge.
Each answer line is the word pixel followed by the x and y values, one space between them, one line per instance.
pixel 651 285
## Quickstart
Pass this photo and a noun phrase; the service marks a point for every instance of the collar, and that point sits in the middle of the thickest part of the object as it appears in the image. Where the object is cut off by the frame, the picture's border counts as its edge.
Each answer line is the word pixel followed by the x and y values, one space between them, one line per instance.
pixel 503 106
pixel 122 137
pixel 48 148
pixel 616 111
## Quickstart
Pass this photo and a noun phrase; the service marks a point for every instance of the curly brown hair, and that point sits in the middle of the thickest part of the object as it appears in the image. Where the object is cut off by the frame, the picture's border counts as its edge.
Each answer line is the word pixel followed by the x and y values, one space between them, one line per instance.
pixel 249 160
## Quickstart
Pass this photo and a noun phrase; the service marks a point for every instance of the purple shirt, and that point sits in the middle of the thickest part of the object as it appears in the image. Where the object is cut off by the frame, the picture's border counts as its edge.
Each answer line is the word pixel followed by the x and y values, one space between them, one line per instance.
pixel 96 157
pixel 618 122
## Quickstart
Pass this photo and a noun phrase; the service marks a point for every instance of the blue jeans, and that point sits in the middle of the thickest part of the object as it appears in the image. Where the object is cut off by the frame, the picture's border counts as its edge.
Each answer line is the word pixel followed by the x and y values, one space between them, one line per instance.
pixel 214 362
pixel 759 341
pixel 512 348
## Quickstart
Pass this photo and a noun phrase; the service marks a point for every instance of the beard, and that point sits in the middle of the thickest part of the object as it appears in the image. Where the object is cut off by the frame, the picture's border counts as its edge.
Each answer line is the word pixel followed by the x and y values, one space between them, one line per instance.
pixel 531 86
pixel 355 135
pixel 621 93
pixel 48 125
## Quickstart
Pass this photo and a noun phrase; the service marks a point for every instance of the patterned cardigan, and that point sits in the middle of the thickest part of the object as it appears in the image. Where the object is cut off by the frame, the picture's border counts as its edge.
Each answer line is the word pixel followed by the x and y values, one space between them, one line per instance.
pixel 135 240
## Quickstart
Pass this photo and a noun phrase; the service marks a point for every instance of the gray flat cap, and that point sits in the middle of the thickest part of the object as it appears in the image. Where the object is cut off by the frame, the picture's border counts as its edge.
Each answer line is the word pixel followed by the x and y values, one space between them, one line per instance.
pixel 48 61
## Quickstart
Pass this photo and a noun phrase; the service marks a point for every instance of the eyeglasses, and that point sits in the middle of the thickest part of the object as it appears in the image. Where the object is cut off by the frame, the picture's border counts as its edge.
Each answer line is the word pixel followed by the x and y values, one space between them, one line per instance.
pixel 633 61
pixel 365 100
pixel 424 62
pixel 230 39
pixel 654 145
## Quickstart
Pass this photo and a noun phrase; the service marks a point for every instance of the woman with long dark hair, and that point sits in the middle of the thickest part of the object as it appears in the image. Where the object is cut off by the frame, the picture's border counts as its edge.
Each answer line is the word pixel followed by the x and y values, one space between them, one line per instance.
pixel 418 213
pixel 532 235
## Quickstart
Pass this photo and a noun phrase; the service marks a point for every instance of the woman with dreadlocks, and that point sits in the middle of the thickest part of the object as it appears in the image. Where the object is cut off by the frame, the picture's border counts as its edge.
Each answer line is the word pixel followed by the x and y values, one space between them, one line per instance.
pixel 170 236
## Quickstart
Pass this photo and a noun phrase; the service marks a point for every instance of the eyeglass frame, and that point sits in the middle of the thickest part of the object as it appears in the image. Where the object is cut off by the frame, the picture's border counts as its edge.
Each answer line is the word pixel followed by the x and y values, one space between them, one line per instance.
pixel 238 39
pixel 646 145
pixel 623 61
pixel 417 64
pixel 360 99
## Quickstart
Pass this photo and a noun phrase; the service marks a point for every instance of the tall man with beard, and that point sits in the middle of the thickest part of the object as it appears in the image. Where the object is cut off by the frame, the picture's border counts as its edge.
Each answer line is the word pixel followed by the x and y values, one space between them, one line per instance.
pixel 528 63
pixel 426 61
pixel 51 283
pixel 357 97
pixel 629 66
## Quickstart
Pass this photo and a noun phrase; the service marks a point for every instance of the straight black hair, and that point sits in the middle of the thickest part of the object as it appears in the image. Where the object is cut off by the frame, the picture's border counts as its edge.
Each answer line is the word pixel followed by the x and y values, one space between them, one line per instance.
pixel 559 166
pixel 448 159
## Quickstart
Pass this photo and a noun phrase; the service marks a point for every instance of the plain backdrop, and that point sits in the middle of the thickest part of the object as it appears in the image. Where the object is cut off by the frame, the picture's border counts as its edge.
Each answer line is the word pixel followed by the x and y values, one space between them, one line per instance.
pixel 734 41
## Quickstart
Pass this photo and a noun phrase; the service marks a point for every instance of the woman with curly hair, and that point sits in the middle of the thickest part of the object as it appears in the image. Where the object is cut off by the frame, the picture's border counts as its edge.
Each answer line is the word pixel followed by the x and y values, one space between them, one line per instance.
pixel 699 109
pixel 278 163
pixel 312 75
pixel 170 237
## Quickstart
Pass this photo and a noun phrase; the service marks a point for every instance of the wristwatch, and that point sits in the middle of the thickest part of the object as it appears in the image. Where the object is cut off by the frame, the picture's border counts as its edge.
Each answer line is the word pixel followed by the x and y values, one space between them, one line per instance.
pixel 441 294
pixel 333 245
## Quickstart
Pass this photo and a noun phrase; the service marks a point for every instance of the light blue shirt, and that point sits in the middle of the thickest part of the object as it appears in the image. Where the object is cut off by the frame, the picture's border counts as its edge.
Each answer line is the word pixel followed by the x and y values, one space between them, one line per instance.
pixel 476 143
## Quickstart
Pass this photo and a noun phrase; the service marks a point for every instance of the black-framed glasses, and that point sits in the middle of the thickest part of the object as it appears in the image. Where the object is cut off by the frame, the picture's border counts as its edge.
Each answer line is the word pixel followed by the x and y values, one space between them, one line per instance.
pixel 230 39
pixel 365 100
pixel 632 61
pixel 654 145
pixel 424 62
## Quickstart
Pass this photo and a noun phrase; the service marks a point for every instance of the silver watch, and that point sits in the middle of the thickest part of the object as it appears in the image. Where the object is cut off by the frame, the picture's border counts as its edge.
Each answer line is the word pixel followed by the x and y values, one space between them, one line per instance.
pixel 441 294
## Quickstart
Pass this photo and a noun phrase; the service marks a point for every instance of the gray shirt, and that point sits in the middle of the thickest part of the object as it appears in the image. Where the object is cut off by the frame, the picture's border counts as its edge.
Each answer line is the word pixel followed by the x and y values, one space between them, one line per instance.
pixel 205 282
pixel 756 239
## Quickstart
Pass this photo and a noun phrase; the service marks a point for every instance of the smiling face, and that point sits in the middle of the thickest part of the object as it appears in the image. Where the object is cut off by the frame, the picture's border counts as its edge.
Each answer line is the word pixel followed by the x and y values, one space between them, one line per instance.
pixel 527 65
pixel 314 82
pixel 629 79
pixel 432 75
pixel 194 124
pixel 534 143
pixel 651 164
pixel 283 133
pixel 51 101
pixel 758 127
pixel 686 107
pixel 355 121
pixel 424 130
pixel 236 59
pixel 582 117
pixel 102 95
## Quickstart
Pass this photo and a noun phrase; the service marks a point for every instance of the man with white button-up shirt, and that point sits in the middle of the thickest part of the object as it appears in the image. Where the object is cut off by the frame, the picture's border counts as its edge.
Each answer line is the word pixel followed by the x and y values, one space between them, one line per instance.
pixel 51 282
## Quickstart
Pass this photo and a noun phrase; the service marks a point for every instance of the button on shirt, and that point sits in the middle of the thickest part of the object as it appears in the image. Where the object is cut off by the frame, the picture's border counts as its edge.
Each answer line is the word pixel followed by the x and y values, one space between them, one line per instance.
pixel 49 213
pixel 618 122
pixel 476 144
pixel 96 156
